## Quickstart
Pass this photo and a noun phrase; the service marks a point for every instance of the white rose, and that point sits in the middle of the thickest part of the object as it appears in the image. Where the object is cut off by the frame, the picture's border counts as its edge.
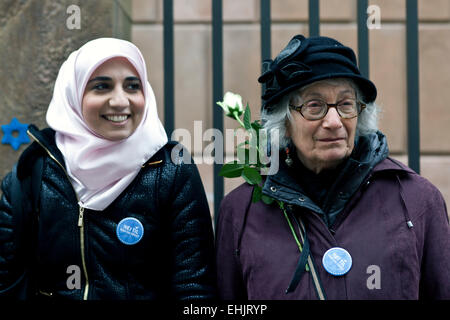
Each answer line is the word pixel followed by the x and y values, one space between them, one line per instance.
pixel 232 103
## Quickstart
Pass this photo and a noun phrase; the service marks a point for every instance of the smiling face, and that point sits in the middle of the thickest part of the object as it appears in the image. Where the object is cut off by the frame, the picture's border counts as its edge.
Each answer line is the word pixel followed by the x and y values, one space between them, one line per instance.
pixel 325 143
pixel 113 102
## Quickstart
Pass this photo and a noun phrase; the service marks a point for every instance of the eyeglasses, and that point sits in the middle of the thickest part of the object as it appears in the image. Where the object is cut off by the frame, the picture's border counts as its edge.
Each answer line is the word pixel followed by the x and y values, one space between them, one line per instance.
pixel 317 109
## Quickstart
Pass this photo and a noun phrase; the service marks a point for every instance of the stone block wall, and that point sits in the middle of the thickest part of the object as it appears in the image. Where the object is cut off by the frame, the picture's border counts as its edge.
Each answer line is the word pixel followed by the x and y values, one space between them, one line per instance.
pixel 241 45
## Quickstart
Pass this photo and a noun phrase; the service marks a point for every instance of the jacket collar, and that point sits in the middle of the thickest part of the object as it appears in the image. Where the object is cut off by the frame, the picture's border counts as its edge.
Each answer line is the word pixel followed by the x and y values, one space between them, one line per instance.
pixel 43 143
pixel 46 139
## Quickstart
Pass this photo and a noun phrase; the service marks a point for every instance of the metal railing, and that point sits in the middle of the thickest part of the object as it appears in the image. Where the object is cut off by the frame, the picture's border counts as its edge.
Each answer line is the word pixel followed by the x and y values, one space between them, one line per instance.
pixel 314 30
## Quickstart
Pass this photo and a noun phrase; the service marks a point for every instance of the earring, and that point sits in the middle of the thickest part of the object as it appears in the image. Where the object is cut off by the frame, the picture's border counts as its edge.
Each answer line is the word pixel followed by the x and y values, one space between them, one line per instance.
pixel 288 160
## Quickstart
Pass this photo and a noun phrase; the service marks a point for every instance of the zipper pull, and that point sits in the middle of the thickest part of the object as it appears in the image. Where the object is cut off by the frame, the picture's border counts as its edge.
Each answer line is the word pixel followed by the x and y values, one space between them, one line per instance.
pixel 80 217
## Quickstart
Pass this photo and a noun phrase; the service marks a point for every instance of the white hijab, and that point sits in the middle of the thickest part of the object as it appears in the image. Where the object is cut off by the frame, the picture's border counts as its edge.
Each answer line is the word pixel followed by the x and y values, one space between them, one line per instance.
pixel 100 169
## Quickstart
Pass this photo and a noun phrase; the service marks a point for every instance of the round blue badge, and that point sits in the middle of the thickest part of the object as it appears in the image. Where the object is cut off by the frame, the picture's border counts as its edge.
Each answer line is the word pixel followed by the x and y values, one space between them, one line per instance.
pixel 337 261
pixel 130 231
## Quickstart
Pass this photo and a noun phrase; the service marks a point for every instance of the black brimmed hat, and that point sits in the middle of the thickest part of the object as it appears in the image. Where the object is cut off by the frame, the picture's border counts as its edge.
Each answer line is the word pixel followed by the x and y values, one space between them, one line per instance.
pixel 306 60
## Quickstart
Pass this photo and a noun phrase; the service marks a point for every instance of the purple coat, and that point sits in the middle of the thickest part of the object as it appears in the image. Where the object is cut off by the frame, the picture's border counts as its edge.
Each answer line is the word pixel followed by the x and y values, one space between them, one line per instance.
pixel 390 259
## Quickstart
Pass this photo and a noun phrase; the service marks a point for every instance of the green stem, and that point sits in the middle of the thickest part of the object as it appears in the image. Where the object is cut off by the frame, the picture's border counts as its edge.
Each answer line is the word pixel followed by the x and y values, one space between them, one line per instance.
pixel 237 119
pixel 281 205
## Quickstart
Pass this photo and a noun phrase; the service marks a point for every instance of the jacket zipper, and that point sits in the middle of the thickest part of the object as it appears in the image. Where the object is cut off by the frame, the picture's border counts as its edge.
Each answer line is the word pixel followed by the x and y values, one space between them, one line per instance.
pixel 83 258
pixel 80 218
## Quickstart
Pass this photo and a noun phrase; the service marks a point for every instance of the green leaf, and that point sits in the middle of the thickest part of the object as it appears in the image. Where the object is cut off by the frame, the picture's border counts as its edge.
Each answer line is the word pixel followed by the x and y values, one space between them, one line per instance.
pixel 247 118
pixel 267 199
pixel 257 193
pixel 231 170
pixel 251 175
pixel 256 125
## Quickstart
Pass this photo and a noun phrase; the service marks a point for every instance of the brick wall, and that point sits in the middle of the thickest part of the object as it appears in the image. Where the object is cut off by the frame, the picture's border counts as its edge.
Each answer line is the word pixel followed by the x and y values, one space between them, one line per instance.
pixel 241 45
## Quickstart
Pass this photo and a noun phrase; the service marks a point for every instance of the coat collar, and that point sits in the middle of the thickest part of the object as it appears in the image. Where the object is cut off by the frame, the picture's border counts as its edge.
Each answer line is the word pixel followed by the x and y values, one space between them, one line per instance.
pixel 46 139
pixel 391 164
pixel 43 143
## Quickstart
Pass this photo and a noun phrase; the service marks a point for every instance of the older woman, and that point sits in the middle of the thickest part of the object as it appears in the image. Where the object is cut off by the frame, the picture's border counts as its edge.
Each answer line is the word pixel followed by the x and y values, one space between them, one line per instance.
pixel 348 221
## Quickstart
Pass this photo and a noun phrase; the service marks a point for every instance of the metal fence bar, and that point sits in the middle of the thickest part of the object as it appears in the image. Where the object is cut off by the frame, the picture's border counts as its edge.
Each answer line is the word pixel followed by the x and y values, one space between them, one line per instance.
pixel 217 60
pixel 314 18
pixel 169 104
pixel 363 38
pixel 412 73
pixel 265 30
pixel 266 37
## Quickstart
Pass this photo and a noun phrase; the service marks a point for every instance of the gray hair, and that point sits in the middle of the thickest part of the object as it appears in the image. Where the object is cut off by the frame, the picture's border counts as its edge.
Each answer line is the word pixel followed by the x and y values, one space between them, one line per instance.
pixel 280 113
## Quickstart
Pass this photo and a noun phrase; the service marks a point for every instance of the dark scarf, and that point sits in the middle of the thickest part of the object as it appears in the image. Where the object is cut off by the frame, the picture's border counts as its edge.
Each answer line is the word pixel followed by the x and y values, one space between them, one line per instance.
pixel 315 185
pixel 328 192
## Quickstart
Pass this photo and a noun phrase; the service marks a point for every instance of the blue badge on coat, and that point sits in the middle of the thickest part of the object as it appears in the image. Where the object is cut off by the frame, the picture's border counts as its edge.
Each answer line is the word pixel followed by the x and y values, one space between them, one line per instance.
pixel 337 261
pixel 130 231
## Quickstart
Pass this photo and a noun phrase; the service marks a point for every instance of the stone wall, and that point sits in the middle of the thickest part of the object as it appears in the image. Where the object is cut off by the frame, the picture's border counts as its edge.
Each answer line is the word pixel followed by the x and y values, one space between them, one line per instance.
pixel 36 36
pixel 241 44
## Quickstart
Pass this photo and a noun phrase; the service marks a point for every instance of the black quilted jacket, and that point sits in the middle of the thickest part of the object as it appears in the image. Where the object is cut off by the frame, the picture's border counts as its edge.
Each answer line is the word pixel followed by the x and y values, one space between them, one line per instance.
pixel 78 256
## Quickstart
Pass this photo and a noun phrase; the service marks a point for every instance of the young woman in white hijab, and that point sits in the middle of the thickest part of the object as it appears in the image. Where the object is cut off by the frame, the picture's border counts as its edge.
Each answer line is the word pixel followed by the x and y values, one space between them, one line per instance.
pixel 117 219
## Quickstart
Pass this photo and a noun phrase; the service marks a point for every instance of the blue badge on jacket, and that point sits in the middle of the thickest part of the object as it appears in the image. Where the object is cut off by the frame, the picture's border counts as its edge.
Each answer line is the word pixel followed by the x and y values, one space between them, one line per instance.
pixel 130 231
pixel 337 261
